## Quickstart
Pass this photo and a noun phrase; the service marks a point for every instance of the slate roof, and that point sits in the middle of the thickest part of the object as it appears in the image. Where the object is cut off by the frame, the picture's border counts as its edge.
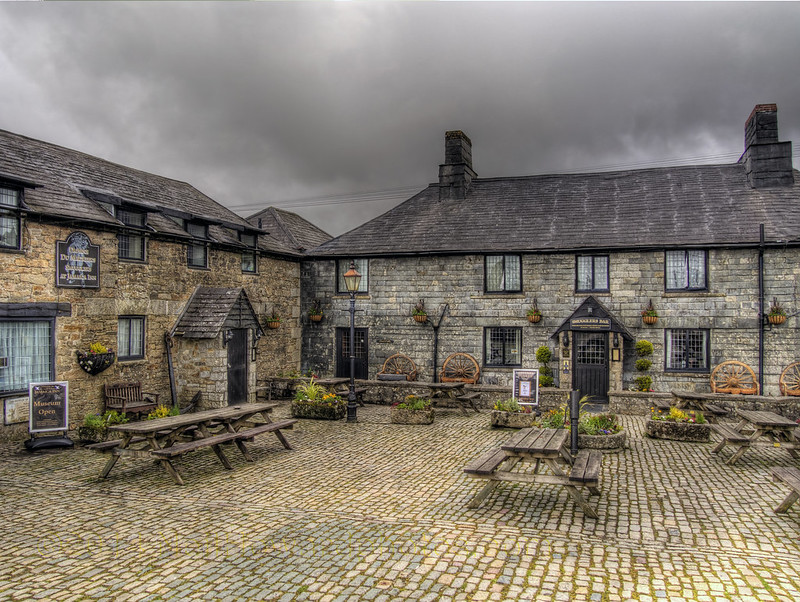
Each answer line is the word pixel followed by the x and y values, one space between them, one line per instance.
pixel 211 309
pixel 69 182
pixel 289 228
pixel 705 205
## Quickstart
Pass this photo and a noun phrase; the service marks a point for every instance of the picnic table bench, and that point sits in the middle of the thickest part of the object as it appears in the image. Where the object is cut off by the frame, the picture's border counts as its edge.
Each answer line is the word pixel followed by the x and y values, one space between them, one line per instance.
pixel 542 447
pixel 754 425
pixel 699 402
pixel 790 476
pixel 164 439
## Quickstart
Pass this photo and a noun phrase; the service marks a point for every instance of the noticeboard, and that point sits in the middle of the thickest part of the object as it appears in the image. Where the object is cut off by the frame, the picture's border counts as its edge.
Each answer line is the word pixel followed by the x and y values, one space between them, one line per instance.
pixel 526 387
pixel 48 407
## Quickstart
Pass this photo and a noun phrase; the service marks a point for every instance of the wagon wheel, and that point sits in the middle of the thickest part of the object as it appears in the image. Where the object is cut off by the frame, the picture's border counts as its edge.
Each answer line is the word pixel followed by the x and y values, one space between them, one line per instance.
pixel 400 364
pixel 733 377
pixel 461 367
pixel 790 379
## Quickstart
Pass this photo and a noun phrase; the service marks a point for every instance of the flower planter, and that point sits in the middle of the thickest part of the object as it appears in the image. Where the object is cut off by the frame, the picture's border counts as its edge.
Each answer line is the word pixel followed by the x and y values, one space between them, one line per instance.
pixel 649 319
pixel 512 420
pixel 273 325
pixel 318 411
pixel 95 363
pixel 315 317
pixel 404 416
pixel 535 318
pixel 421 318
pixel 678 431
pixel 776 319
pixel 614 442
pixel 90 434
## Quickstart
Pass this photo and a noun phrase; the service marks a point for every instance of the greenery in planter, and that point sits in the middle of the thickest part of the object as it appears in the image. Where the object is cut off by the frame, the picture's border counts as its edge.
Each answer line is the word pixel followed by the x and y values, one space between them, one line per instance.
pixel 95 426
pixel 414 403
pixel 676 415
pixel 598 424
pixel 419 309
pixel 163 411
pixel 543 356
pixel 533 312
pixel 316 308
pixel 775 309
pixel 649 310
pixel 313 401
pixel 511 405
pixel 644 349
pixel 412 410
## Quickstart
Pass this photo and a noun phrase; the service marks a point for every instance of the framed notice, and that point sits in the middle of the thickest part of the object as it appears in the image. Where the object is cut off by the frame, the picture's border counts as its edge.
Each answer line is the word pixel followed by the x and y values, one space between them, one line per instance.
pixel 526 387
pixel 48 407
pixel 77 262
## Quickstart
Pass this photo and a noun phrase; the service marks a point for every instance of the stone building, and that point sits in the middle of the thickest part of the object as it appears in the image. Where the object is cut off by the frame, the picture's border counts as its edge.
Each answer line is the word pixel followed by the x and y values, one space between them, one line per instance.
pixel 710 246
pixel 149 267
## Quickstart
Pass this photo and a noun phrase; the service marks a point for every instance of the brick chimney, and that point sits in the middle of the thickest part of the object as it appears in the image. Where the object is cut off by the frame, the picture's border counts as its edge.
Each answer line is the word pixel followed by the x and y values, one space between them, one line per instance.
pixel 456 174
pixel 767 162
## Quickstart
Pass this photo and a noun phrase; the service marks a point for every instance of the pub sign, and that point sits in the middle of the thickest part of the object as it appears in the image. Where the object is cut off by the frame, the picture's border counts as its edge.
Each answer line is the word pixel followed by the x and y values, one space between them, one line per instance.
pixel 77 262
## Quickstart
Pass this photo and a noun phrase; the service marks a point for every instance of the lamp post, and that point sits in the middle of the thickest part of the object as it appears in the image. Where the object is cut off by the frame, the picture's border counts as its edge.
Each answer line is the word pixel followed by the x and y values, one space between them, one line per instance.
pixel 351 281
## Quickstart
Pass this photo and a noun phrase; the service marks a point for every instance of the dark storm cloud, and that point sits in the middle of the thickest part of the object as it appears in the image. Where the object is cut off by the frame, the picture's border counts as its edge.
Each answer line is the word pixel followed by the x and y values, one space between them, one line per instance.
pixel 260 103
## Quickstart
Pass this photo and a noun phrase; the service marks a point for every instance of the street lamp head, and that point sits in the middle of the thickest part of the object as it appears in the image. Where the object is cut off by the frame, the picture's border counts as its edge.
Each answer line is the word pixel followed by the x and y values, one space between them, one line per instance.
pixel 352 278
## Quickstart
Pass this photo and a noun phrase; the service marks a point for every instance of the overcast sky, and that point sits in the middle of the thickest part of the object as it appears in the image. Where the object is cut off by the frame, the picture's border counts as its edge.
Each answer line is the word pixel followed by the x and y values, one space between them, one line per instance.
pixel 311 106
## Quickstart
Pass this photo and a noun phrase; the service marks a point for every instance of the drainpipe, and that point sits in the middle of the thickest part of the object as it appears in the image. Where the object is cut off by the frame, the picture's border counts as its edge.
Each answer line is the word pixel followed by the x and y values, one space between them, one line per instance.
pixel 436 342
pixel 172 390
pixel 761 309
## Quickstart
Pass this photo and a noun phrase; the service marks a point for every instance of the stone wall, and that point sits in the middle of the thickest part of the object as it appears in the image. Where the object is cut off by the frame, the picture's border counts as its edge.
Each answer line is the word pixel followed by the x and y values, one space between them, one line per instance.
pixel 729 309
pixel 158 290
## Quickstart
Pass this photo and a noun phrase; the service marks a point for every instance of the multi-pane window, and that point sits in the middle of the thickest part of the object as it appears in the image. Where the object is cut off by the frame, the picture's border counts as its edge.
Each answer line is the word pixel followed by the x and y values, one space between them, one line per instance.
pixel 26 349
pixel 685 270
pixel 502 346
pixel 9 218
pixel 197 254
pixel 503 273
pixel 249 256
pixel 686 349
pixel 591 273
pixel 362 267
pixel 130 337
pixel 131 243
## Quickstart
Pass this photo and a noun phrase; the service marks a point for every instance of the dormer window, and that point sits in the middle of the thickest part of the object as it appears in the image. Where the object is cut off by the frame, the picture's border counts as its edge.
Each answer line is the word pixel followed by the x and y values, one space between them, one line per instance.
pixel 131 243
pixel 248 256
pixel 197 253
pixel 10 218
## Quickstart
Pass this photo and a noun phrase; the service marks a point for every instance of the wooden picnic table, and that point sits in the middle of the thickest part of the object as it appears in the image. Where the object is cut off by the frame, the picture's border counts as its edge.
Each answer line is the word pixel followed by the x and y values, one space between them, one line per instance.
pixel 701 402
pixel 165 438
pixel 451 390
pixel 545 448
pixel 752 426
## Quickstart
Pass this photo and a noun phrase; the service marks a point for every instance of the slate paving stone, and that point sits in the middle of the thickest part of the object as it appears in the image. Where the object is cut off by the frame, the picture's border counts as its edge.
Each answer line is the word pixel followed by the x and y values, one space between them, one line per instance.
pixel 372 511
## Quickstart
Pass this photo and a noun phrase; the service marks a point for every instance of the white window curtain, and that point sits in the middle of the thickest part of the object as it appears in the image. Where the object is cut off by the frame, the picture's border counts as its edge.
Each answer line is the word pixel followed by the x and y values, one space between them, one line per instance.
pixel 697 269
pixel 584 273
pixel 677 272
pixel 512 273
pixel 130 337
pixel 494 273
pixel 26 347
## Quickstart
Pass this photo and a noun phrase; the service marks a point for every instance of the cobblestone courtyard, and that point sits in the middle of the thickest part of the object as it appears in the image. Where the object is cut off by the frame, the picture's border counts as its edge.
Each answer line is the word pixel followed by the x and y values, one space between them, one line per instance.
pixel 375 511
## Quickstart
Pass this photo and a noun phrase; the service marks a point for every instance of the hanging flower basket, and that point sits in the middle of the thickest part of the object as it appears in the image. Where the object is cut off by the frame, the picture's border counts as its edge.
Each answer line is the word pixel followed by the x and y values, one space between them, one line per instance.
pixel 649 319
pixel 776 319
pixel 315 317
pixel 534 318
pixel 95 363
pixel 274 324
pixel 421 318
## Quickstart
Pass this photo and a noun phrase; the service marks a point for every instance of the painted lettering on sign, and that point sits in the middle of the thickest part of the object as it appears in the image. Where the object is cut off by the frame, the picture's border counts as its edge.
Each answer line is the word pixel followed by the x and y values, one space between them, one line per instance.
pixel 590 324
pixel 48 407
pixel 77 262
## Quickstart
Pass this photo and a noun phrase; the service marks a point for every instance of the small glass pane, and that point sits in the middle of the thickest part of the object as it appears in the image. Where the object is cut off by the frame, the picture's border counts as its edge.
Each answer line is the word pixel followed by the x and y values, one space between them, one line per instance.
pixel 9 231
pixel 197 256
pixel 197 230
pixel 677 273
pixel 249 262
pixel 512 273
pixel 601 273
pixel 131 218
pixel 131 247
pixel 584 273
pixel 9 197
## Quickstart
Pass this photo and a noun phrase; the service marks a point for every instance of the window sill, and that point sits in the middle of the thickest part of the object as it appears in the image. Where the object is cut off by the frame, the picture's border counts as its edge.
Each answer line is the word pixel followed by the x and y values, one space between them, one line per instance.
pixel 514 295
pixel 602 293
pixel 201 268
pixel 12 250
pixel 495 368
pixel 699 372
pixel 132 260
pixel 679 294
pixel 131 360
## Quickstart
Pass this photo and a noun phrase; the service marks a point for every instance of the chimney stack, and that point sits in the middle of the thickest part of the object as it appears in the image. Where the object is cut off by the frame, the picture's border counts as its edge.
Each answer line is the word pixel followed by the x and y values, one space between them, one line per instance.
pixel 456 174
pixel 767 162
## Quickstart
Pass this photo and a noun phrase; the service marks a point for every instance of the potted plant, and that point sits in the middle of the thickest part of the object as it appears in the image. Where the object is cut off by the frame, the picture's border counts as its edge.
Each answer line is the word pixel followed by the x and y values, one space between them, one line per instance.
pixel 97 359
pixel 314 401
pixel 600 431
pixel 644 349
pixel 533 313
pixel 419 313
pixel 273 320
pixel 678 425
pixel 95 426
pixel 649 313
pixel 315 312
pixel 412 410
pixel 507 413
pixel 776 315
pixel 543 356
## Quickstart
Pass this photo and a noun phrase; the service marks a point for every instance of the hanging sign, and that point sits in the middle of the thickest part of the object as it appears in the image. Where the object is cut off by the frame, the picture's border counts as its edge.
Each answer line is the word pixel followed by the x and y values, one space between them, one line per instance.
pixel 589 323
pixel 526 387
pixel 77 262
pixel 48 407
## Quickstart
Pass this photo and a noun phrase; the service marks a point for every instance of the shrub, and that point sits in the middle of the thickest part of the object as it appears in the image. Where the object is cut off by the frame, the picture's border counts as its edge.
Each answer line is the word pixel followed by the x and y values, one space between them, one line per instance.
pixel 162 412
pixel 543 354
pixel 643 364
pixel 643 383
pixel 310 391
pixel 644 348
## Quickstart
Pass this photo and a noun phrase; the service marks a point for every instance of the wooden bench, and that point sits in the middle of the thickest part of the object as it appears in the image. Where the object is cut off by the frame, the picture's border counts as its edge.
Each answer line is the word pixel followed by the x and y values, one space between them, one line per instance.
pixel 129 398
pixel 586 469
pixel 487 463
pixel 791 477
pixel 730 436
pixel 470 399
pixel 359 394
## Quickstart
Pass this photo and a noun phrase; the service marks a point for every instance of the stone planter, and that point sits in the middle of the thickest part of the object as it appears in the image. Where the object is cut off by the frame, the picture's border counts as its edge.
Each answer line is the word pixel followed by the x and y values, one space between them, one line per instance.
pixel 512 420
pixel 404 416
pixel 614 442
pixel 678 431
pixel 316 411
pixel 90 434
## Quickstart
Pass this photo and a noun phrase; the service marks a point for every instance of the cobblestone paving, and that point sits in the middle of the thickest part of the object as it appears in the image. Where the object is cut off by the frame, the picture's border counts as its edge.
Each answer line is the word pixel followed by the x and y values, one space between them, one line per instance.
pixel 373 511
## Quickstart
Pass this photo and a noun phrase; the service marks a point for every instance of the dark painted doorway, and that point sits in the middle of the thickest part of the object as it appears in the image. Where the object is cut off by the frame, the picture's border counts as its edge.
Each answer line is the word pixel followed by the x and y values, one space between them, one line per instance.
pixel 237 367
pixel 343 352
pixel 591 365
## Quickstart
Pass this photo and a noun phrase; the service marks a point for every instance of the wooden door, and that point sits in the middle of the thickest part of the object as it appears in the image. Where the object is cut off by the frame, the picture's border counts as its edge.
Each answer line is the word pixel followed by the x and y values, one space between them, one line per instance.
pixel 343 353
pixel 237 367
pixel 590 363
